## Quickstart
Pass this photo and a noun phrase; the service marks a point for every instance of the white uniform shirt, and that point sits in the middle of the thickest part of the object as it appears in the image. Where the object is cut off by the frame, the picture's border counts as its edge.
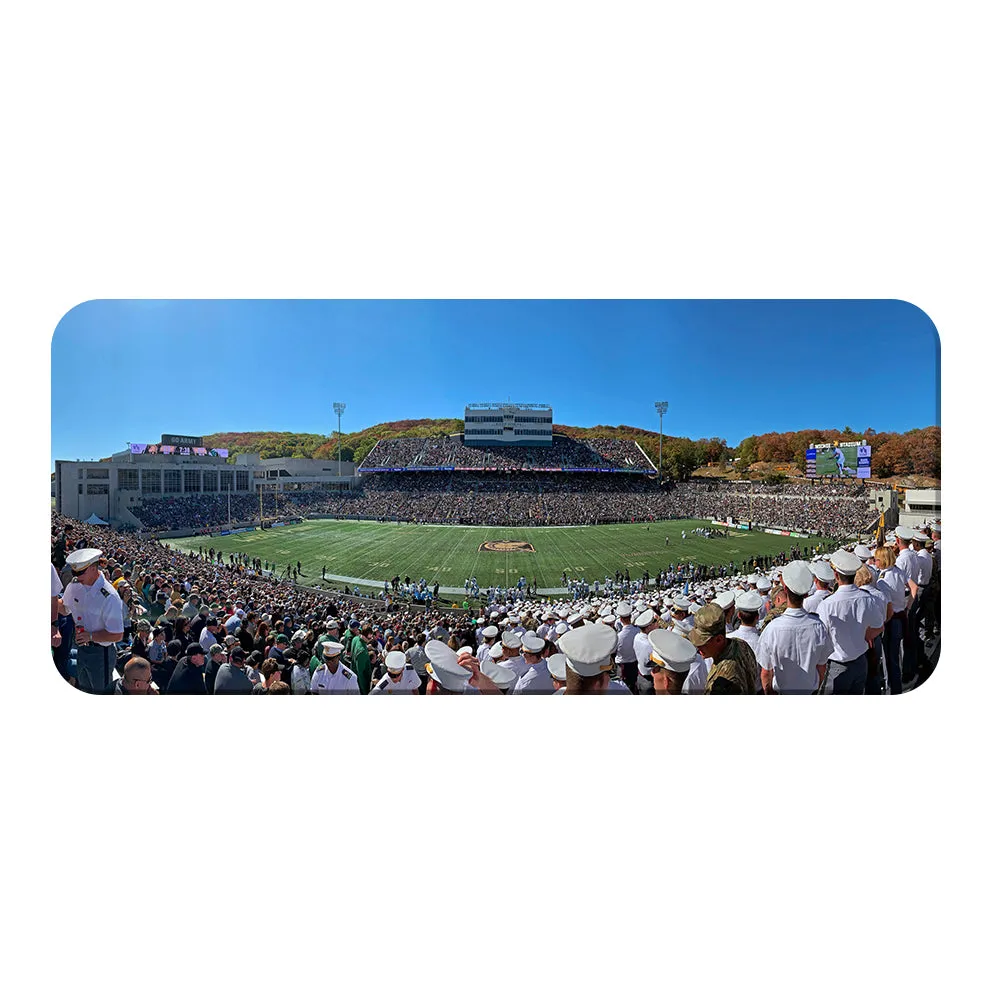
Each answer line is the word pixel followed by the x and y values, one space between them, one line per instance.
pixel 892 583
pixel 813 601
pixel 535 680
pixel 847 614
pixel 697 678
pixel 643 651
pixel 925 562
pixel 748 634
pixel 96 608
pixel 516 664
pixel 57 587
pixel 407 683
pixel 483 652
pixel 880 597
pixel 626 641
pixel 793 645
pixel 341 681
pixel 906 562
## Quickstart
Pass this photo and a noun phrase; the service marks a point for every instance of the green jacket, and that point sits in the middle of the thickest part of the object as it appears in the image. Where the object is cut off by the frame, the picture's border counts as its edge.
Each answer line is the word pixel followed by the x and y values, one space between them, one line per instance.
pixel 361 663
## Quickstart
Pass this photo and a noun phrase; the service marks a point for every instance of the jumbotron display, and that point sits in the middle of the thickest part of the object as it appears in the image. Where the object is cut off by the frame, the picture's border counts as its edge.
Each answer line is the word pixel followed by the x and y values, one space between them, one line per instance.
pixel 840 459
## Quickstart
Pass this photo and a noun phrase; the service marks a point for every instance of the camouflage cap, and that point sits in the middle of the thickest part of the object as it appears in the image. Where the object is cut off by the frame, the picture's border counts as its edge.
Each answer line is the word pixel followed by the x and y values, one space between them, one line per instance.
pixel 709 621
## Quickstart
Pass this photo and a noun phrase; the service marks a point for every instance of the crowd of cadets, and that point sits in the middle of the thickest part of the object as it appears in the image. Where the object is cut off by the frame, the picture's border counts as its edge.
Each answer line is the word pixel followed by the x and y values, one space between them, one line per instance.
pixel 131 616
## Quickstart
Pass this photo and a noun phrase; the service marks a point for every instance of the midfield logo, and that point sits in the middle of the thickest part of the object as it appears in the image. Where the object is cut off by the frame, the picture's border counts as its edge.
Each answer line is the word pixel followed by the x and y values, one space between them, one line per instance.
pixel 507 545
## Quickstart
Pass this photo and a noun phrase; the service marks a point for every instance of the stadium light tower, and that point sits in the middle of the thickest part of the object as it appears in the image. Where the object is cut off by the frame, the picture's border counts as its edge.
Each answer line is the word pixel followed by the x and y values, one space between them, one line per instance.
pixel 338 408
pixel 661 408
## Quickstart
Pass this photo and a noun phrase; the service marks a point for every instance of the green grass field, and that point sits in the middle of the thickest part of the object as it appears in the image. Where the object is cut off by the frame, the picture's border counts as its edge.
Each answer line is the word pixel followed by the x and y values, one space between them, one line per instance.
pixel 369 550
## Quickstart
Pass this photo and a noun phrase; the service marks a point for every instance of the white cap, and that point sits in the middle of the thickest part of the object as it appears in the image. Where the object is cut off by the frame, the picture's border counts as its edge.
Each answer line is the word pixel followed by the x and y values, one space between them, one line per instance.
pixel 905 533
pixel 464 649
pixel 763 583
pixel 845 562
pixel 609 619
pixel 511 640
pixel 725 600
pixel 822 571
pixel 395 661
pixel 749 601
pixel 797 577
pixel 332 649
pixel 557 666
pixel 862 551
pixel 79 559
pixel 500 674
pixel 681 604
pixel 562 628
pixel 532 643
pixel 589 650
pixel 624 609
pixel 919 536
pixel 490 632
pixel 496 651
pixel 574 618
pixel 645 618
pixel 672 650
pixel 444 666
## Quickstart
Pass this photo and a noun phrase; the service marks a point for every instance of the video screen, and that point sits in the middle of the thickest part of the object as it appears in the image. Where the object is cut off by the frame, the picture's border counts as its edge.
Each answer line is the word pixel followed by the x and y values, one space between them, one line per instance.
pixel 839 460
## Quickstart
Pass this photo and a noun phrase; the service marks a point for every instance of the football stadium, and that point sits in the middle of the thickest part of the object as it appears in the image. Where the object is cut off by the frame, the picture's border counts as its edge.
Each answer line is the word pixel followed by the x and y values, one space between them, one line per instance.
pixel 501 537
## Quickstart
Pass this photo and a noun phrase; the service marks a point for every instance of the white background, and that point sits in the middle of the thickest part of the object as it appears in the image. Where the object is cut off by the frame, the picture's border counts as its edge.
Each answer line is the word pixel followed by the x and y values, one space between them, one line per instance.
pixel 799 848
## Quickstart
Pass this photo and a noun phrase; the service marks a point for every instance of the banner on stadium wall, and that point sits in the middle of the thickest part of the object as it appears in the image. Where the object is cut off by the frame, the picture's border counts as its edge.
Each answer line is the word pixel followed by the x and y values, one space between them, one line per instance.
pixel 136 448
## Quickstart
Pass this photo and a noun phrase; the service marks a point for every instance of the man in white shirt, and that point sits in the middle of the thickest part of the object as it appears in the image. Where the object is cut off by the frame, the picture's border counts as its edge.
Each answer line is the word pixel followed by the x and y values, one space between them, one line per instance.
pixel 399 678
pixel 333 677
pixel 646 621
pixel 906 563
pixel 824 576
pixel 794 648
pixel 853 618
pixel 97 615
pixel 536 679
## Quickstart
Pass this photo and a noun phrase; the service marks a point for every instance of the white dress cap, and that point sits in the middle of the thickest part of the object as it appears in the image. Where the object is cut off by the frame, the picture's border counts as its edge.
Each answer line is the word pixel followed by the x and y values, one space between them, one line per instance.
pixel 557 666
pixel 681 603
pixel 562 628
pixel 511 640
pixel 496 651
pixel 589 650
pixel 79 559
pixel 905 533
pixel 645 618
pixel 749 601
pixel 609 619
pixel 332 649
pixel 395 661
pixel 444 667
pixel 574 618
pixel 862 551
pixel 464 649
pixel 624 609
pixel 672 650
pixel 845 562
pixel 822 571
pixel 763 583
pixel 500 674
pixel 532 643
pixel 797 577
pixel 490 632
pixel 725 600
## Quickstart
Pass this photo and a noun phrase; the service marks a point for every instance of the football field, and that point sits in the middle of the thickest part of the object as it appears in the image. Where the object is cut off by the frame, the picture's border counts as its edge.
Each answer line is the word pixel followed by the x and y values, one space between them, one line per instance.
pixel 451 554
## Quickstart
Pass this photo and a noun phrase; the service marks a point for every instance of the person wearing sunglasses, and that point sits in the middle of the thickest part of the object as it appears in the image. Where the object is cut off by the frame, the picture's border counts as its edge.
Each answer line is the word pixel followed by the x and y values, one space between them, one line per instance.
pixel 137 678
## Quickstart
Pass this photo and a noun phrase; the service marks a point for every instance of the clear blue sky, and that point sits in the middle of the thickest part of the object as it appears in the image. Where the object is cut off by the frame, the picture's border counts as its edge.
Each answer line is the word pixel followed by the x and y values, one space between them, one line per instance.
pixel 727 368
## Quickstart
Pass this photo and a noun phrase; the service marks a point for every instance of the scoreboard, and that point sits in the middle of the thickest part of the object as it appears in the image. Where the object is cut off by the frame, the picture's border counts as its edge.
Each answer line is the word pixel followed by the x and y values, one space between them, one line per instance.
pixel 839 459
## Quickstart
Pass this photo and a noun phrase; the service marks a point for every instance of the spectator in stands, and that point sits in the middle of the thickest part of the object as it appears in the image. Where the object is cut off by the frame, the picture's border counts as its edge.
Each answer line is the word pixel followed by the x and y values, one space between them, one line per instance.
pixel 189 674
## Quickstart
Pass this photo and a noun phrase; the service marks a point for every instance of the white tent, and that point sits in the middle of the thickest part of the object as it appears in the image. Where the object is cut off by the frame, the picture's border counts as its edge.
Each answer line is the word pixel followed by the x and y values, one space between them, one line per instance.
pixel 94 519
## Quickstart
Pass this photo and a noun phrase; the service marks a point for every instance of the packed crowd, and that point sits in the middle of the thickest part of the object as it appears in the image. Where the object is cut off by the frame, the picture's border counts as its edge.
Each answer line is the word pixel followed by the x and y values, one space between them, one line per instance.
pixel 830 508
pixel 132 616
pixel 451 452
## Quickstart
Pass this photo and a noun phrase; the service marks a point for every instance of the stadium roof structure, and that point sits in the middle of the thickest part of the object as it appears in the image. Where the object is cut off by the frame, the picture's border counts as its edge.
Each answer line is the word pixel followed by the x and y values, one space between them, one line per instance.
pixel 516 406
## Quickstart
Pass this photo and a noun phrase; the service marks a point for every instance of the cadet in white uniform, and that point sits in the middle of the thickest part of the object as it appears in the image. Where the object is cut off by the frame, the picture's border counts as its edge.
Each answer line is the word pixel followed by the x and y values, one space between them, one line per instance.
pixel 671 658
pixel 97 615
pixel 489 637
pixel 333 677
pixel 590 652
pixel 824 575
pixel 536 679
pixel 399 678
pixel 645 622
pixel 851 616
pixel 794 648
